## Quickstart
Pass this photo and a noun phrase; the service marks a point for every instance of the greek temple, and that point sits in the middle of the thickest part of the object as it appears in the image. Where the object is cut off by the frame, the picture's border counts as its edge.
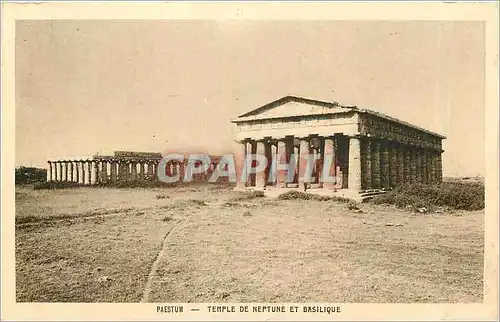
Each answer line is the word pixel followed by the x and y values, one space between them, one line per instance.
pixel 369 150
pixel 122 166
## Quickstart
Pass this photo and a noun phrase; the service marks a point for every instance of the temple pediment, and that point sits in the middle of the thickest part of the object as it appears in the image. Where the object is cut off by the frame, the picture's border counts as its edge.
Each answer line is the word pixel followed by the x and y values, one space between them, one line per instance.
pixel 292 106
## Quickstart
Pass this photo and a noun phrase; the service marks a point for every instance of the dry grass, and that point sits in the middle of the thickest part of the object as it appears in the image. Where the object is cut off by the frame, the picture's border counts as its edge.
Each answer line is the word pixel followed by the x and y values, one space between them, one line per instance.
pixel 223 249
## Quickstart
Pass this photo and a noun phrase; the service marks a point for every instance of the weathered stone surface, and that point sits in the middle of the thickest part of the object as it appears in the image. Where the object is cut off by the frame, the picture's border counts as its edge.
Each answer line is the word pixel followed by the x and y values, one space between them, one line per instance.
pixel 375 163
pixel 354 182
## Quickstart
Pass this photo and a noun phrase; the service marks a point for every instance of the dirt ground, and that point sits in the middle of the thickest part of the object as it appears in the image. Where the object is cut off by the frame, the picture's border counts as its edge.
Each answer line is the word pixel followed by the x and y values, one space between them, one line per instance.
pixel 203 244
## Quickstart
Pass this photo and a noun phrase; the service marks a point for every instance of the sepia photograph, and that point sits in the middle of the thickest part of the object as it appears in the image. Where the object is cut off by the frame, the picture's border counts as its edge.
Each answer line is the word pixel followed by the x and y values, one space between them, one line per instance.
pixel 237 160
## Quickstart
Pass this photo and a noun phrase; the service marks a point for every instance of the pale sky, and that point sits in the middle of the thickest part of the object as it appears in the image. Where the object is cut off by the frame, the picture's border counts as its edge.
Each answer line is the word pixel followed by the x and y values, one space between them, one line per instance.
pixel 87 87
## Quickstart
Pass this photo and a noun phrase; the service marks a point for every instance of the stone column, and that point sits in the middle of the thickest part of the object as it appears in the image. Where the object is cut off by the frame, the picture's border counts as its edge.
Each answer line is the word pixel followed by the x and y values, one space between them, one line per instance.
pixel 133 169
pixel 112 169
pixel 65 163
pixel 425 178
pixel 401 165
pixel 141 170
pixel 92 172
pixel 354 179
pixel 384 164
pixel 375 151
pixel 77 171
pixel 103 171
pixel 155 169
pixel 69 165
pixel 83 172
pixel 73 171
pixel 439 167
pixel 430 166
pixel 89 171
pixel 413 164
pixel 268 153
pixel 49 171
pixel 150 171
pixel 406 165
pixel 252 146
pixel 239 160
pixel 282 158
pixel 418 170
pixel 260 178
pixel 303 163
pixel 329 153
pixel 366 163
pixel 393 164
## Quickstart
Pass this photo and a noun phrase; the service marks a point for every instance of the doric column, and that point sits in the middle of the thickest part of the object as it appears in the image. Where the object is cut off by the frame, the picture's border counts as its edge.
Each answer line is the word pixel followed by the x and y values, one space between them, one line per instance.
pixel 419 171
pixel 354 177
pixel 83 172
pixel 260 177
pixel 122 171
pixel 304 174
pixel 384 164
pixel 92 174
pixel 77 171
pixel 66 171
pixel 393 164
pixel 424 166
pixel 268 154
pixel 282 158
pixel 406 165
pixel 155 170
pixel 439 167
pixel 366 163
pixel 69 165
pixel 329 156
pixel 56 171
pixel 102 171
pixel 431 171
pixel 133 170
pixel 375 151
pixel 112 170
pixel 239 160
pixel 73 171
pixel 413 164
pixel 401 165
pixel 89 171
pixel 251 148
pixel 49 171
pixel 150 170
pixel 141 170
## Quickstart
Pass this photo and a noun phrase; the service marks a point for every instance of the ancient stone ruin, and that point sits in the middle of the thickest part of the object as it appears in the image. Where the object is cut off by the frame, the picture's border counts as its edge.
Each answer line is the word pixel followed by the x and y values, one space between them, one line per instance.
pixel 369 150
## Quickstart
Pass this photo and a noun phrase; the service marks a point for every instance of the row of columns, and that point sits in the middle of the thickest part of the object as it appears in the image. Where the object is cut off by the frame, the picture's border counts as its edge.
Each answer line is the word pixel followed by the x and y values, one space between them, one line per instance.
pixel 104 171
pixel 101 171
pixel 357 162
pixel 283 148
pixel 387 164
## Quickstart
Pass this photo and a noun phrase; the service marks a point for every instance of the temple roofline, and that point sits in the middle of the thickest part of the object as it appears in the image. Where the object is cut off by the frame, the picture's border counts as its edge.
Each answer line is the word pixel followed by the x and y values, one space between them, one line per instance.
pixel 253 114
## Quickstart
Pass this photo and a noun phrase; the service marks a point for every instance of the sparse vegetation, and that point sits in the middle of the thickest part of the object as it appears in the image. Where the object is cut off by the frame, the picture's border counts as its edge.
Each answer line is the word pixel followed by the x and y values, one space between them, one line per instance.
pixel 299 195
pixel 455 195
pixel 352 205
pixel 56 185
pixel 248 195
pixel 220 253
pixel 28 175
